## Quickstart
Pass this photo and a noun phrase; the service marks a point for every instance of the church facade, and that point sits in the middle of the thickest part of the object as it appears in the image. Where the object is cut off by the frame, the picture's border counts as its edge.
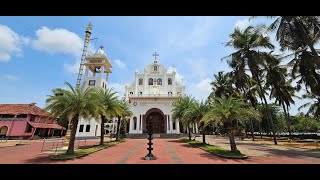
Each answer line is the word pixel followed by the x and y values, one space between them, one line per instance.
pixel 151 97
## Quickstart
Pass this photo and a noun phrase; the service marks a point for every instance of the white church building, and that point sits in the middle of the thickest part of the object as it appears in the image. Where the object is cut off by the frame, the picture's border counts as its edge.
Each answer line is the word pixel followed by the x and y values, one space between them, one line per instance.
pixel 151 96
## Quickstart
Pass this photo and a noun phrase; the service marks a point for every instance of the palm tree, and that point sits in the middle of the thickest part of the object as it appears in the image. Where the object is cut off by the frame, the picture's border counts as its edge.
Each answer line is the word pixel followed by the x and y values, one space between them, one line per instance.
pixel 109 101
pixel 227 109
pixel 195 113
pixel 247 42
pixel 179 108
pixel 74 103
pixel 122 111
pixel 314 107
pixel 281 88
pixel 223 85
pixel 294 32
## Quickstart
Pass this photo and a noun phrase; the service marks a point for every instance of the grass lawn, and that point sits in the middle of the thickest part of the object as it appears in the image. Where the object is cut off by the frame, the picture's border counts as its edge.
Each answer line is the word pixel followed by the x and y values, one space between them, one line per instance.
pixel 215 150
pixel 83 152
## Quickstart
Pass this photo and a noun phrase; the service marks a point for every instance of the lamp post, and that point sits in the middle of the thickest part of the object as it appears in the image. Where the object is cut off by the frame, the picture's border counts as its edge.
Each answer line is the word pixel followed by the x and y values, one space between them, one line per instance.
pixel 150 156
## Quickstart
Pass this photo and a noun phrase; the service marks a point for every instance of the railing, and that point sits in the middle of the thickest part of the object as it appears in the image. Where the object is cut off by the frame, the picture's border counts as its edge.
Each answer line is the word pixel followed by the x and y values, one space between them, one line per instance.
pixel 154 95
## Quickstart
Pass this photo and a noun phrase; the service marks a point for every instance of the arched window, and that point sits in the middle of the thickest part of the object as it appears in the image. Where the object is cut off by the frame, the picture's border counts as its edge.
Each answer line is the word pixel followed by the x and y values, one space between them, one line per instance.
pixel 155 68
pixel 140 81
pixel 134 123
pixel 169 81
pixel 150 81
pixel 159 81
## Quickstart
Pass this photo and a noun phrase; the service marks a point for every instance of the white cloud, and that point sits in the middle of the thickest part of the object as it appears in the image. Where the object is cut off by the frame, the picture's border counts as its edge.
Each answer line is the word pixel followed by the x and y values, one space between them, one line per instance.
pixel 119 63
pixel 11 77
pixel 200 90
pixel 10 43
pixel 118 88
pixel 58 41
pixel 72 68
pixel 242 23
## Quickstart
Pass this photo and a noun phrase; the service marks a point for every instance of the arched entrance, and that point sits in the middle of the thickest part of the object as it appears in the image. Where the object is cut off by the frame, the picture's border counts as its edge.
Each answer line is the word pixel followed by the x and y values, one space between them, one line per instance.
pixel 3 131
pixel 157 119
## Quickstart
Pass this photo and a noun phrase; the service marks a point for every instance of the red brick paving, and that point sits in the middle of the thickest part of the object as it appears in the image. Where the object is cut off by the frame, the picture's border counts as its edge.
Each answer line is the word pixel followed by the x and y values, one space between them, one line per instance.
pixel 133 151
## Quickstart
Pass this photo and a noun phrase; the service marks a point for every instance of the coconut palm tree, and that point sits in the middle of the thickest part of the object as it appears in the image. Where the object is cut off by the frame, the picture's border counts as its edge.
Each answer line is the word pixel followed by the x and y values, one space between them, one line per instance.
pixel 281 89
pixel 295 32
pixel 247 43
pixel 314 107
pixel 195 113
pixel 121 113
pixel 179 108
pixel 109 101
pixel 227 109
pixel 74 103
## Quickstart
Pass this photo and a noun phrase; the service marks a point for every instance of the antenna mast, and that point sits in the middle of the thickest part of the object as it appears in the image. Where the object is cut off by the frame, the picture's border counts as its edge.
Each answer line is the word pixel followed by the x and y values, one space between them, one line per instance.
pixel 85 46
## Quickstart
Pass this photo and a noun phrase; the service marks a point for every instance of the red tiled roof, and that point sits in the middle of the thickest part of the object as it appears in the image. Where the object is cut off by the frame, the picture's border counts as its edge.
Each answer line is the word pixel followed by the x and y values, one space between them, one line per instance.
pixel 22 109
pixel 45 125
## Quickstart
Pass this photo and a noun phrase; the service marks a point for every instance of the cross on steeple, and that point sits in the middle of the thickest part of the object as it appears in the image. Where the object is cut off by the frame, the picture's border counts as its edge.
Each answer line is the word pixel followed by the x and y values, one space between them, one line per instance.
pixel 155 56
pixel 101 47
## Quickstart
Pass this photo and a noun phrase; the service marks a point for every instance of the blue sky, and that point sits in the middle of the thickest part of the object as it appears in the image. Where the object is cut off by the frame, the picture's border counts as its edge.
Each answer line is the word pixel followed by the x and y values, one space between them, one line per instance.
pixel 40 53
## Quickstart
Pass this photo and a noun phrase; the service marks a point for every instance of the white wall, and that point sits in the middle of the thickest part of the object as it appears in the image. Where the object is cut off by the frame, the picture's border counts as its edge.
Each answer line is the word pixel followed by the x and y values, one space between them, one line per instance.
pixel 93 130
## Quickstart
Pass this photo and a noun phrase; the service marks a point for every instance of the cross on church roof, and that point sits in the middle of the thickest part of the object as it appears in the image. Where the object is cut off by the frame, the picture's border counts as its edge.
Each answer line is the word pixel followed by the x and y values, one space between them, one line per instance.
pixel 101 47
pixel 155 56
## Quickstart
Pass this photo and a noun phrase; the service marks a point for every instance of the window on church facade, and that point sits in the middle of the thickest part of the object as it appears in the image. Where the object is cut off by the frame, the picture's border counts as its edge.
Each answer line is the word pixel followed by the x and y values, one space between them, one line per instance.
pixel 140 81
pixel 81 128
pixel 155 68
pixel 150 81
pixel 134 123
pixel 159 81
pixel 88 128
pixel 169 81
pixel 173 125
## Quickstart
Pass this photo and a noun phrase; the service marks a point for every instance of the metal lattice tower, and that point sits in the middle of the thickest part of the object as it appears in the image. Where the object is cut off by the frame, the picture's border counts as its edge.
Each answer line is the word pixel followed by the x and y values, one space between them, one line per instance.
pixel 85 46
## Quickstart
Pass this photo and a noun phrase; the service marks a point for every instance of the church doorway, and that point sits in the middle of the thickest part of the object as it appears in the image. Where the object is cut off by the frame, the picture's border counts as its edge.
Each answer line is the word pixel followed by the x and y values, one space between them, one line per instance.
pixel 157 119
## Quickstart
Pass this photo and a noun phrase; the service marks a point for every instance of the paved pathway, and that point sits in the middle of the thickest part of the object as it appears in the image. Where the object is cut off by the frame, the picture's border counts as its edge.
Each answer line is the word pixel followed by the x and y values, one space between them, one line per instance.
pixel 168 151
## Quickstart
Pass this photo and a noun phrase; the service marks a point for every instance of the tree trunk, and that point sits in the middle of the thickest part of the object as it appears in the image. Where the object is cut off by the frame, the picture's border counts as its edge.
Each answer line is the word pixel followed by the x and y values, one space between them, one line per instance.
pixel 75 121
pixel 103 120
pixel 268 111
pixel 252 131
pixel 287 119
pixel 203 136
pixel 189 132
pixel 118 128
pixel 233 145
pixel 260 130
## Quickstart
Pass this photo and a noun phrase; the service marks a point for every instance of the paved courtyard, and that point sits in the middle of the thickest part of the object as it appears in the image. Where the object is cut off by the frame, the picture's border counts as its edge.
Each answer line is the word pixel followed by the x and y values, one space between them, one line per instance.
pixel 168 151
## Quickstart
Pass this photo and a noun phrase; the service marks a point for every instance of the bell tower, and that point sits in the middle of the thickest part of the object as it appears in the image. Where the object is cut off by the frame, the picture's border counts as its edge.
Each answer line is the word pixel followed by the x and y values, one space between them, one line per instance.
pixel 98 68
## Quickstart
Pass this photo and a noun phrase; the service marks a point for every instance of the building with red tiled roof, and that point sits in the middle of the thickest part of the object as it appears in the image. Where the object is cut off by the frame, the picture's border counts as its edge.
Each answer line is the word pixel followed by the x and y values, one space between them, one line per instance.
pixel 27 120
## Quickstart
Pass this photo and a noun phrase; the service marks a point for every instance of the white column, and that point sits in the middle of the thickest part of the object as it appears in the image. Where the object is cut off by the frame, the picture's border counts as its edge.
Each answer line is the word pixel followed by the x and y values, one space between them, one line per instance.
pixel 101 72
pixel 170 120
pixel 197 131
pixel 193 129
pixel 141 125
pixel 138 124
pixel 130 125
pixel 178 127
pixel 145 81
pixel 167 124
